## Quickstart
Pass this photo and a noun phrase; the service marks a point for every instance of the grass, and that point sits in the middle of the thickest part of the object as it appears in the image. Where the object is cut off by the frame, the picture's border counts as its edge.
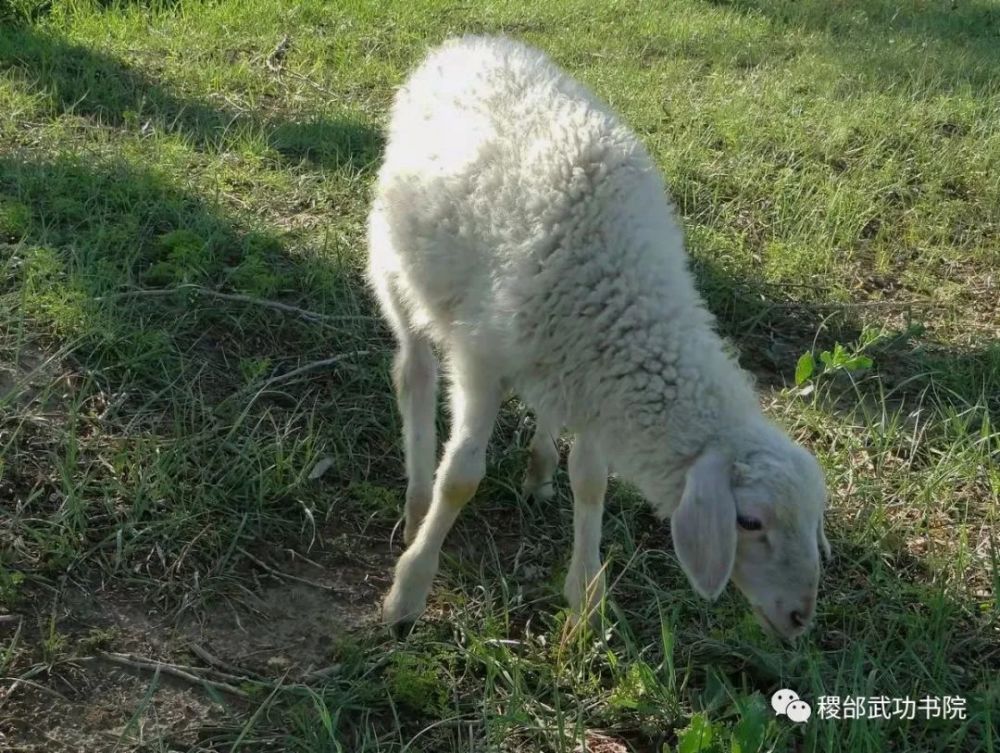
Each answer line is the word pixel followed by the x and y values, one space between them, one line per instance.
pixel 835 168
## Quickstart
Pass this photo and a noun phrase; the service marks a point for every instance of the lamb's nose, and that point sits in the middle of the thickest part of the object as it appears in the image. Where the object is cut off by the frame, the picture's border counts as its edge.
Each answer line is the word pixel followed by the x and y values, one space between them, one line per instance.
pixel 798 619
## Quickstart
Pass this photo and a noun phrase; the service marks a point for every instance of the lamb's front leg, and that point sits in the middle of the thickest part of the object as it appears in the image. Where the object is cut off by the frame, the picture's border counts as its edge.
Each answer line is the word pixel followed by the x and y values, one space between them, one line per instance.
pixel 588 477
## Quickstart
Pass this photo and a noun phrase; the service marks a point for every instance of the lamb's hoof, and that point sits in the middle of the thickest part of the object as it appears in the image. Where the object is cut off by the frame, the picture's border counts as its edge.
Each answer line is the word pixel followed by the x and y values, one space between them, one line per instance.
pixel 401 630
pixel 401 609
pixel 540 491
pixel 592 622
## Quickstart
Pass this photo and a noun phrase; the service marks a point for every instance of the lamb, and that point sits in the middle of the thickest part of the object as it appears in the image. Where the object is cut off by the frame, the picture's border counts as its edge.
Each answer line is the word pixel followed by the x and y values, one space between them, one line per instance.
pixel 523 231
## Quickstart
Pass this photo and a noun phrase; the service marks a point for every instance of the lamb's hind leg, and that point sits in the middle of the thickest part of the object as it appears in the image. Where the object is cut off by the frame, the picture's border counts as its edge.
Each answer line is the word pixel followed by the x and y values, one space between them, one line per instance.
pixel 543 461
pixel 415 376
pixel 588 477
pixel 475 401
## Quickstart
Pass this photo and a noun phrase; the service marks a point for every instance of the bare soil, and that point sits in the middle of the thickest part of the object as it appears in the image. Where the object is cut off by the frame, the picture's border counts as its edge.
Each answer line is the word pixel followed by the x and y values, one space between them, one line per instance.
pixel 73 697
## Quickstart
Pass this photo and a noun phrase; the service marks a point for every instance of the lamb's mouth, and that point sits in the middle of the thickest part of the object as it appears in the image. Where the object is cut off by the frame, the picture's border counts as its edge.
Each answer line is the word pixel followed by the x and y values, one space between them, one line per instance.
pixel 765 622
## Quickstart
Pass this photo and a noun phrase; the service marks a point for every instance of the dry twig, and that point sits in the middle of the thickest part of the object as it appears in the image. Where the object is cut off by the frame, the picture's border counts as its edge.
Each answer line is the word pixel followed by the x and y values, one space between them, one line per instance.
pixel 149 665
pixel 312 316
pixel 310 367
pixel 230 671
pixel 279 573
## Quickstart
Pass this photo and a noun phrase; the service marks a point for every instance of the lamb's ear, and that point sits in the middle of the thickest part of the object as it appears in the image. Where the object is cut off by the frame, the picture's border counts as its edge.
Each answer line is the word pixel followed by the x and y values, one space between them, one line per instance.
pixel 703 526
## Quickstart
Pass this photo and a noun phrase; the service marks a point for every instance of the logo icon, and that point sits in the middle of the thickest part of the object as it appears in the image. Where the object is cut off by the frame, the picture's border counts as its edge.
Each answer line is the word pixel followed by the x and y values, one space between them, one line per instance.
pixel 787 702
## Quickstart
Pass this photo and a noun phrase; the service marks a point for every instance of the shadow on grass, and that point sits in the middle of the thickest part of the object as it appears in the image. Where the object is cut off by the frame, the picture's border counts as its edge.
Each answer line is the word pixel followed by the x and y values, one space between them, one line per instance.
pixel 772 331
pixel 79 242
pixel 77 80
pixel 139 439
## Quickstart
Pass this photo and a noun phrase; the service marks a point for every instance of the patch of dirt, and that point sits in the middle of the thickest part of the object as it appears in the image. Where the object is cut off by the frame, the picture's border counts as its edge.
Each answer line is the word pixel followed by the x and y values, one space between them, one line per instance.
pixel 77 691
pixel 38 379
pixel 107 710
pixel 290 627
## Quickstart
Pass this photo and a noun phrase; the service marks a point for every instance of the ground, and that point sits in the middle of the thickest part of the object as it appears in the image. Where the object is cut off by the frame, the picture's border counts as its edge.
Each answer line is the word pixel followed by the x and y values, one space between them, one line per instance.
pixel 195 534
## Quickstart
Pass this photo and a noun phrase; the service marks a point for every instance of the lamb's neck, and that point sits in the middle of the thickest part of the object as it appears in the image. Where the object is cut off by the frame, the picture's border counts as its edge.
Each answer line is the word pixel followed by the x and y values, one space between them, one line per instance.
pixel 667 419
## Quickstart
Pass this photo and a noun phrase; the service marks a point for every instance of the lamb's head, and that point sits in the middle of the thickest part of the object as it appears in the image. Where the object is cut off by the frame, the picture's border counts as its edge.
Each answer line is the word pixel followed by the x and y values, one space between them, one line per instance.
pixel 756 516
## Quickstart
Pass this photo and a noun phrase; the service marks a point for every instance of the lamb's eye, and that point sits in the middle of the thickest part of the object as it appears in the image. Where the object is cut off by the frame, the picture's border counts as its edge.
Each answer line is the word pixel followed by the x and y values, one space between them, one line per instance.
pixel 748 523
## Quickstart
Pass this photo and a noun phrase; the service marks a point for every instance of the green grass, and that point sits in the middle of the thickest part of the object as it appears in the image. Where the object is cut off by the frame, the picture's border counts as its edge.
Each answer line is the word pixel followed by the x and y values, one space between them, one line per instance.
pixel 835 165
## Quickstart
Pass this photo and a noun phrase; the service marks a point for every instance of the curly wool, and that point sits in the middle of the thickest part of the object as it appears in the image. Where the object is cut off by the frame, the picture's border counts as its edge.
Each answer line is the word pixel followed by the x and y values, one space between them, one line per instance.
pixel 530 233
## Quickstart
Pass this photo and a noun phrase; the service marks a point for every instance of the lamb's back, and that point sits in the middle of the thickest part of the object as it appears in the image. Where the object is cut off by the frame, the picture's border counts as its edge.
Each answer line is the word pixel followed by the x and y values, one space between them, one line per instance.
pixel 531 221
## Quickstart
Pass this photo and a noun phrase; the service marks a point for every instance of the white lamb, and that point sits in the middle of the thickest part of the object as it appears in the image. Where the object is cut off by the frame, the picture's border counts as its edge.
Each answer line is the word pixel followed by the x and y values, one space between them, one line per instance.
pixel 523 230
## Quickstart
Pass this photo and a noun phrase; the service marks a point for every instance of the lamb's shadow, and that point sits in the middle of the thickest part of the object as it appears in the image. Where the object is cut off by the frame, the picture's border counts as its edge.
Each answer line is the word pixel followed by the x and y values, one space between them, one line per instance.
pixel 77 80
